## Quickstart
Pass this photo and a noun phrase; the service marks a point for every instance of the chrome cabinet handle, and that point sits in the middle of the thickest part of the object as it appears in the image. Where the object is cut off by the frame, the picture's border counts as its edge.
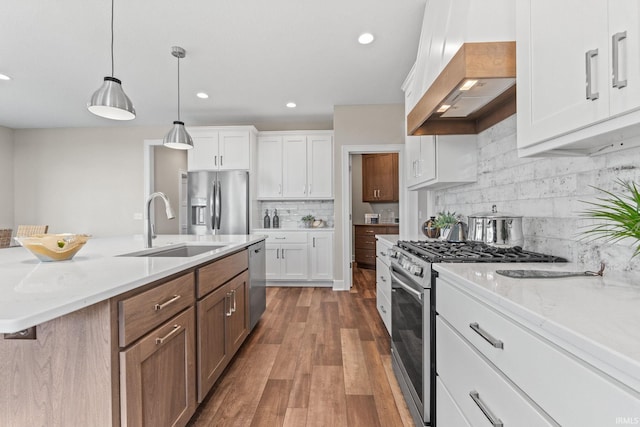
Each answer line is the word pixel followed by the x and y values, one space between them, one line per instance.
pixel 487 336
pixel 159 307
pixel 615 40
pixel 383 279
pixel 175 330
pixel 314 242
pixel 228 297
pixel 279 188
pixel 283 253
pixel 277 253
pixel 590 54
pixel 233 293
pixel 495 421
pixel 215 160
pixel 309 188
pixel 221 163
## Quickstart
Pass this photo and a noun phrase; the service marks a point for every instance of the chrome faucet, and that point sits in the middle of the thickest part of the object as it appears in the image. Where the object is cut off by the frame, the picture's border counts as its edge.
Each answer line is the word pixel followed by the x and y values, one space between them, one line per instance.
pixel 150 228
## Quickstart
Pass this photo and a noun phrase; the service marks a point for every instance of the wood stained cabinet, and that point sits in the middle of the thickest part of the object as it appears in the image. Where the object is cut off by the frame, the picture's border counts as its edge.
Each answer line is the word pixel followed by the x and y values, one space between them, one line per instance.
pixel 380 177
pixel 365 242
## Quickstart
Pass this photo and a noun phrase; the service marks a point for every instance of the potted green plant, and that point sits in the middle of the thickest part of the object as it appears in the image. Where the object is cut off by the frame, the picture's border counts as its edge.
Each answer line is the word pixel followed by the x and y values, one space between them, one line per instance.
pixel 444 221
pixel 308 220
pixel 619 215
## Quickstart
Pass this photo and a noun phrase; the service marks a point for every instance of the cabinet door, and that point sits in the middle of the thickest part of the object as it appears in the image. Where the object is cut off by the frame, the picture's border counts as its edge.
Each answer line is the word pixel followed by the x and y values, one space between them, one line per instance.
pixel 387 177
pixel 294 261
pixel 238 321
pixel 234 150
pixel 427 164
pixel 213 354
pixel 449 414
pixel 554 41
pixel 624 17
pixel 204 154
pixel 321 255
pixel 272 259
pixel 158 375
pixel 320 166
pixel 294 166
pixel 412 150
pixel 270 166
pixel 369 178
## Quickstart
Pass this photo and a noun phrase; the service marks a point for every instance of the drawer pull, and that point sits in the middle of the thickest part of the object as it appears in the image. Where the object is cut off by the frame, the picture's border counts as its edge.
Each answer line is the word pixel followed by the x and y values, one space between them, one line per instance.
pixel 495 421
pixel 159 307
pixel 280 238
pixel 382 309
pixel 484 334
pixel 228 297
pixel 384 279
pixel 175 330
pixel 589 55
pixel 233 293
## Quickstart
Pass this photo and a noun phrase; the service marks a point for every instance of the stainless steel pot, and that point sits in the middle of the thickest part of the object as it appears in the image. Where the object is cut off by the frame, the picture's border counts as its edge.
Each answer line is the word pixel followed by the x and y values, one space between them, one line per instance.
pixel 496 228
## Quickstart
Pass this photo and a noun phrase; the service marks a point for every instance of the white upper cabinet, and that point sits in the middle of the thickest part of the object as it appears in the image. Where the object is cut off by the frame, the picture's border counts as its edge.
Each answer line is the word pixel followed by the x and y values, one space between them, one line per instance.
pixel 578 74
pixel 216 148
pixel 294 165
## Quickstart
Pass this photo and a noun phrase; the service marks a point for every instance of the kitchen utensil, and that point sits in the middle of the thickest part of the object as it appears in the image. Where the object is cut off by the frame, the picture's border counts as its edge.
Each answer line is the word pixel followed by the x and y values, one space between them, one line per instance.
pixel 496 228
pixel 458 232
pixel 549 274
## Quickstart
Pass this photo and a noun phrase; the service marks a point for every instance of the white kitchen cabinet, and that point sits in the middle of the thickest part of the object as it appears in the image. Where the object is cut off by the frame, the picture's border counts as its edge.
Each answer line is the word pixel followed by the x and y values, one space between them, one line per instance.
pixel 476 338
pixel 321 255
pixel 578 74
pixel 294 165
pixel 436 162
pixel 383 282
pixel 286 256
pixel 220 148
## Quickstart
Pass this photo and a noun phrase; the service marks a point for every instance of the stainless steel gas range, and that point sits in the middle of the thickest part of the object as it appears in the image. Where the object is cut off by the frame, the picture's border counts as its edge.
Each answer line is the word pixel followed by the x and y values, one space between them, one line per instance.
pixel 413 311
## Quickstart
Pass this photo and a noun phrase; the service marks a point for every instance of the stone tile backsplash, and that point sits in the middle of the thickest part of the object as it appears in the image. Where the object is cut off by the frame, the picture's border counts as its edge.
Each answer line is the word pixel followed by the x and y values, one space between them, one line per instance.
pixel 291 212
pixel 547 192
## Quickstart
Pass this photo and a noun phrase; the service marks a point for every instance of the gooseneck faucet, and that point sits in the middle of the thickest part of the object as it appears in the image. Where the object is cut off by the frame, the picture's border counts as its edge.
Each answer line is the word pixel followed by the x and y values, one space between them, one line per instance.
pixel 150 228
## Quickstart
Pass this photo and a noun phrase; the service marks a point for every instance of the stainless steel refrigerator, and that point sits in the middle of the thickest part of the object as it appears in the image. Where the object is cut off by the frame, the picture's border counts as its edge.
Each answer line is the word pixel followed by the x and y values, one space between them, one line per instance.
pixel 218 202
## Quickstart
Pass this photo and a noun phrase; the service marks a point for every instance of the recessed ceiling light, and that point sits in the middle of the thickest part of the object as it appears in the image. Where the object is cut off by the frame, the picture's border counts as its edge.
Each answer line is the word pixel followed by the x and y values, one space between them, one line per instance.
pixel 4 77
pixel 291 105
pixel 365 38
pixel 202 95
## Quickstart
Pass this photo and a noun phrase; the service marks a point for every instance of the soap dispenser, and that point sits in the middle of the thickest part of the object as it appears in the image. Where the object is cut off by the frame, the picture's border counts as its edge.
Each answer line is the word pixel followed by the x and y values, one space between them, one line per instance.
pixel 267 220
pixel 276 219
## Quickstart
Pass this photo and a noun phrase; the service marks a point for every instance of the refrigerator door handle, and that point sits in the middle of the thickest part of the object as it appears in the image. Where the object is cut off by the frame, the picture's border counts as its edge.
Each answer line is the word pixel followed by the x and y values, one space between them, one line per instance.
pixel 212 205
pixel 218 207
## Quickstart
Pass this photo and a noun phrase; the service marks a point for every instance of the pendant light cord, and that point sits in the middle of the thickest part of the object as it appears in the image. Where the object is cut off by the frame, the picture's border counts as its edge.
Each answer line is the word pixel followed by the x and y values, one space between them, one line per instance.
pixel 112 1
pixel 178 88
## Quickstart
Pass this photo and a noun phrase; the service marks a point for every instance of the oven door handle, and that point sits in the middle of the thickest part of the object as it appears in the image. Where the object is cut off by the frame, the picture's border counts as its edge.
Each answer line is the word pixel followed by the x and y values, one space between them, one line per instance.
pixel 406 287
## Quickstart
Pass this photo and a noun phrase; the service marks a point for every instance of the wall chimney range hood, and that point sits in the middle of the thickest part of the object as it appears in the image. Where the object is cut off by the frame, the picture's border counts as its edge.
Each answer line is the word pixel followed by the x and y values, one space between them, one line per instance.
pixel 474 91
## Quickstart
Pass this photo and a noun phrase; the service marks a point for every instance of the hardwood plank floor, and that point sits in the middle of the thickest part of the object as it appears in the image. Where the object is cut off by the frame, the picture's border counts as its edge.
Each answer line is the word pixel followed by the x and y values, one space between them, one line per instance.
pixel 316 358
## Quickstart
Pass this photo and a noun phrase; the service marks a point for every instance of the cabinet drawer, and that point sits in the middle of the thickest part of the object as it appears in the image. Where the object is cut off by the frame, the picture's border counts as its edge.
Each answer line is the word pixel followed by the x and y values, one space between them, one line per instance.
pixel 365 230
pixel 382 252
pixel 384 309
pixel 217 273
pixel 463 372
pixel 568 389
pixel 449 414
pixel 365 242
pixel 366 256
pixel 284 237
pixel 140 313
pixel 383 278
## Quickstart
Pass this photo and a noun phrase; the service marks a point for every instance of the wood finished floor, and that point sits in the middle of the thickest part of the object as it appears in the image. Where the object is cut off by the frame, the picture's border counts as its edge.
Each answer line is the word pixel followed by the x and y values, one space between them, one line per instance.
pixel 316 358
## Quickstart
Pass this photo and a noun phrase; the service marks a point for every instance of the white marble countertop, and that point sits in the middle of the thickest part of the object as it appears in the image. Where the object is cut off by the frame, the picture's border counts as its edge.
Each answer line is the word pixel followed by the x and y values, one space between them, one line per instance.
pixel 33 292
pixel 596 318
pixel 278 230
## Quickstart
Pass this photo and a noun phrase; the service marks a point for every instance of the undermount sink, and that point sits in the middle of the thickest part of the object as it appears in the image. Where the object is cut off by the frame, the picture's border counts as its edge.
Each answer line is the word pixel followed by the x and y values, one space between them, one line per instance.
pixel 176 251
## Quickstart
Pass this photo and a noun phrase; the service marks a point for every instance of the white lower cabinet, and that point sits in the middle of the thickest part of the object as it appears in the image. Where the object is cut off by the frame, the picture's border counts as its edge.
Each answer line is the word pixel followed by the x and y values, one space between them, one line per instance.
pixel 447 411
pixel 480 391
pixel 521 376
pixel 383 282
pixel 299 256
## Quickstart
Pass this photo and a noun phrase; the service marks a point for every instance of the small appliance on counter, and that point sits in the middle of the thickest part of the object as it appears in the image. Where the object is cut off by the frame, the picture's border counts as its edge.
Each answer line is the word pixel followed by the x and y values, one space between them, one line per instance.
pixel 371 218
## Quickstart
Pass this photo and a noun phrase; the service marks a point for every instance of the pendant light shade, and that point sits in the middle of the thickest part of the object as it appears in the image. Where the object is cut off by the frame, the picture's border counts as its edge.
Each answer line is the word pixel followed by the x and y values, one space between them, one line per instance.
pixel 110 101
pixel 178 137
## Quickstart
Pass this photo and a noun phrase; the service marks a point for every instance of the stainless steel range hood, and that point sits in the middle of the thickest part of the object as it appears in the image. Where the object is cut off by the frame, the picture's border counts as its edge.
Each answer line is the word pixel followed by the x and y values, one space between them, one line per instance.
pixel 472 93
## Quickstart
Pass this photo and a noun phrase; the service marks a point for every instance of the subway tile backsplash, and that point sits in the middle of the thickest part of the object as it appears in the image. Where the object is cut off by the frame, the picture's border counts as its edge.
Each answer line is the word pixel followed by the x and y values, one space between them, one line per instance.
pixel 547 192
pixel 291 212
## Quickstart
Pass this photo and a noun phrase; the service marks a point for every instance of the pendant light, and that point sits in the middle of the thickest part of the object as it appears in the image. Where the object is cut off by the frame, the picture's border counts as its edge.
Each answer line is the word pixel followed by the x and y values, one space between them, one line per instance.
pixel 178 137
pixel 110 101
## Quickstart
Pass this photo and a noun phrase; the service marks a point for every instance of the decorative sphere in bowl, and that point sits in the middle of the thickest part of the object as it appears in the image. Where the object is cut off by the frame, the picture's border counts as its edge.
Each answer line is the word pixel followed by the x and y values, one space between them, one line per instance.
pixel 53 247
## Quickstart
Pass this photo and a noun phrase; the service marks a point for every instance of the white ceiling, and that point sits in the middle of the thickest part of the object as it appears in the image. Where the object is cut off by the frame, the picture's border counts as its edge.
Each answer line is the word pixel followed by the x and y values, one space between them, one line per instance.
pixel 250 56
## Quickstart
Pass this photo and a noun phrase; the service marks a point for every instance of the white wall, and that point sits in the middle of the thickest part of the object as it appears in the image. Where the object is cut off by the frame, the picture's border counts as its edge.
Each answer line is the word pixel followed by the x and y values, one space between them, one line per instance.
pixel 167 165
pixel 360 125
pixel 547 192
pixel 85 180
pixel 6 178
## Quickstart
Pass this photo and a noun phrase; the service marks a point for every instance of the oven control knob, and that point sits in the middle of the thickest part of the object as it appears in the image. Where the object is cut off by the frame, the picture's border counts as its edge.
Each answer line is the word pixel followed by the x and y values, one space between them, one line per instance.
pixel 415 269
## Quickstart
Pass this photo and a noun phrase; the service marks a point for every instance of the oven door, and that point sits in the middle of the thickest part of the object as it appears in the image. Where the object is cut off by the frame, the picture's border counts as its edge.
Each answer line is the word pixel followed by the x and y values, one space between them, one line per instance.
pixel 411 337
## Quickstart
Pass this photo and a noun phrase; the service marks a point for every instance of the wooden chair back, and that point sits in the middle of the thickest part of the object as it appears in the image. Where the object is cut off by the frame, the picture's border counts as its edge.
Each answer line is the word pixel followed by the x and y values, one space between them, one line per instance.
pixel 30 230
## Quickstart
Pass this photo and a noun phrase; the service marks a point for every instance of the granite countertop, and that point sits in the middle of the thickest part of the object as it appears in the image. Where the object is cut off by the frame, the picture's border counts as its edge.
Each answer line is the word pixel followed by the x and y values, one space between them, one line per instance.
pixel 596 318
pixel 33 292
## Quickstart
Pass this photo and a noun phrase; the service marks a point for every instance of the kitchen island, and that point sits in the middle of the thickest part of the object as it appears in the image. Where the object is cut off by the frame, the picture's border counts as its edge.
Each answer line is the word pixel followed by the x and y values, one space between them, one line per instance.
pixel 108 324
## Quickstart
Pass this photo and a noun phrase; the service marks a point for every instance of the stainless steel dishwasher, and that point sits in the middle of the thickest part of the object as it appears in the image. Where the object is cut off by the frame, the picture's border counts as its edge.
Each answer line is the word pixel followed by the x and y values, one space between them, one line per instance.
pixel 257 283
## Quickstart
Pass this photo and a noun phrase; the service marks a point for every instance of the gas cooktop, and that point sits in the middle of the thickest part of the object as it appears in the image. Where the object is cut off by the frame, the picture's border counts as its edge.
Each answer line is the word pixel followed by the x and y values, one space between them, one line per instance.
pixel 442 251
